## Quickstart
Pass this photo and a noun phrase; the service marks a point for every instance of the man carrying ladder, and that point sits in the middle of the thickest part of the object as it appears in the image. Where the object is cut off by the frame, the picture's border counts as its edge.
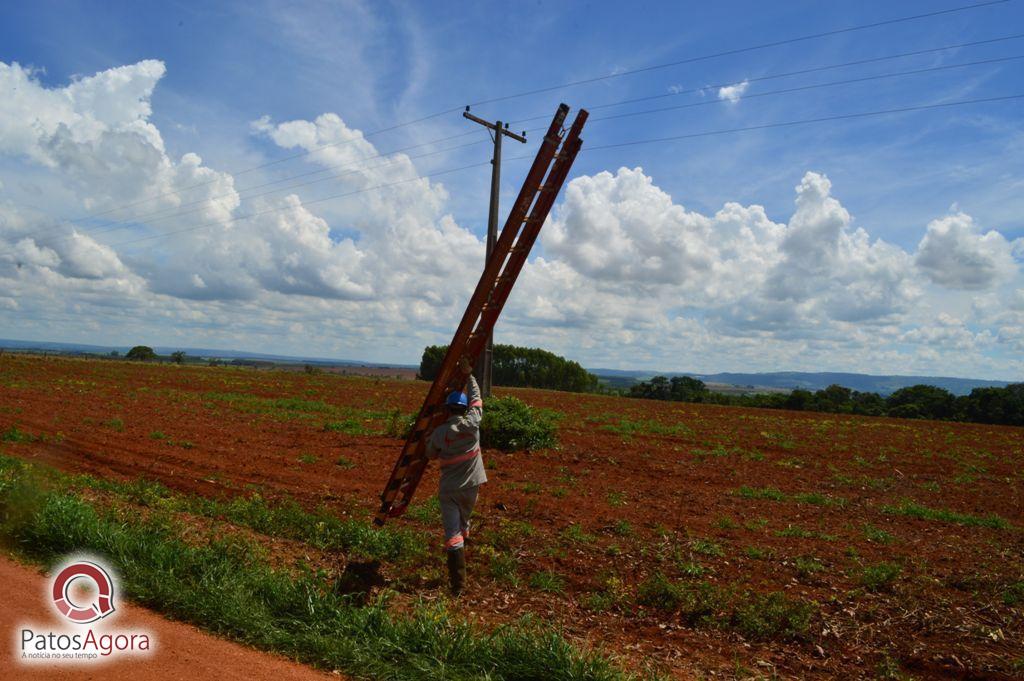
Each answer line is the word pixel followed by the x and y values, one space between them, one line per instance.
pixel 456 446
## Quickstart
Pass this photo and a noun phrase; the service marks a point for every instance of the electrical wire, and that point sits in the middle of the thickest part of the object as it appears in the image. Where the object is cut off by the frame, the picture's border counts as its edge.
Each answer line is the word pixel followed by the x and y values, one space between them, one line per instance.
pixel 774 76
pixel 690 60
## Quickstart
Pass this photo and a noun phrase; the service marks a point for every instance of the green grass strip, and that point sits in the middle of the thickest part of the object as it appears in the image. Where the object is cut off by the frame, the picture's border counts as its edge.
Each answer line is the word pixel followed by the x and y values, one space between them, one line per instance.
pixel 915 510
pixel 224 586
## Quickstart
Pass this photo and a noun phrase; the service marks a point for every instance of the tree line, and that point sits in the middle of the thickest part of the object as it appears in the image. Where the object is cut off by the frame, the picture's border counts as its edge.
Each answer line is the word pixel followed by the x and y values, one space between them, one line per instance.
pixel 522 368
pixel 983 405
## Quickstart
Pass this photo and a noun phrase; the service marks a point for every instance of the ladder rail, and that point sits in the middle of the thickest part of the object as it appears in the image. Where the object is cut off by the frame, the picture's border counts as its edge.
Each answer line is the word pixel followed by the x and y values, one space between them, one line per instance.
pixel 530 210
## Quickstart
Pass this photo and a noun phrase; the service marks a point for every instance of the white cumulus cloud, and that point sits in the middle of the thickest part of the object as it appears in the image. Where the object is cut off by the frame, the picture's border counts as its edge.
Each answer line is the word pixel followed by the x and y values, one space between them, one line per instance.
pixel 733 93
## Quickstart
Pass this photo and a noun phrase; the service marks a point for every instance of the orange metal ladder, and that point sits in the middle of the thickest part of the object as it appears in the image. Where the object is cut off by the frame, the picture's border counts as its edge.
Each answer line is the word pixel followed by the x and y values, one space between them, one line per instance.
pixel 543 182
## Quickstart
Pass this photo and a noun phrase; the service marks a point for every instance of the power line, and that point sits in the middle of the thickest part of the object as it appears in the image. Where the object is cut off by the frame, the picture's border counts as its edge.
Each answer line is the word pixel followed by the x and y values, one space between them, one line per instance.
pixel 774 76
pixel 741 50
pixel 568 84
pixel 806 121
pixel 802 88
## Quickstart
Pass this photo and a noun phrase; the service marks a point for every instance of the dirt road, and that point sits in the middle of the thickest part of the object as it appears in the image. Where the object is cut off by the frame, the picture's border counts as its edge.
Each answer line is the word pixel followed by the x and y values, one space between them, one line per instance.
pixel 181 651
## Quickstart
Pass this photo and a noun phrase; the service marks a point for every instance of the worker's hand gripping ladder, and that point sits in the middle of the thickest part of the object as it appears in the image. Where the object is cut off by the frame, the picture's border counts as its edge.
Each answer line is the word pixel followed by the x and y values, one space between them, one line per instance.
pixel 543 182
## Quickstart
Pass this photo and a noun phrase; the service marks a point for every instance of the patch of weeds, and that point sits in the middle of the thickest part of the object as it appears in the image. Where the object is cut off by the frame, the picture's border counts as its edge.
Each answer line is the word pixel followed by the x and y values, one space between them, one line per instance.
pixel 505 568
pixel 115 424
pixel 342 462
pixel 760 493
pixel 559 492
pixel 726 523
pixel 531 487
pixel 627 428
pixel 509 424
pixel 548 582
pixel 509 533
pixel 12 434
pixel 399 424
pixel 427 511
pixel 349 426
pixel 879 577
pixel 565 477
pixel 697 603
pixel 707 547
pixel 931 486
pixel 877 535
pixel 609 596
pixel 575 533
pixel 307 458
pixel 779 440
pixel 772 615
pixel 807 566
pixel 792 462
pixel 755 524
pixel 819 499
pixel 1014 594
pixel 691 569
pixel 801 533
pixel 914 510
pixel 157 435
pixel 757 552
pixel 622 528
pixel 616 499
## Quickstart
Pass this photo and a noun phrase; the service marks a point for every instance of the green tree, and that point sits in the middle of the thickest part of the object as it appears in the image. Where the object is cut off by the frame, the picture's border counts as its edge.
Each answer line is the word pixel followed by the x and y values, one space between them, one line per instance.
pixel 521 367
pixel 142 353
pixel 178 356
pixel 922 401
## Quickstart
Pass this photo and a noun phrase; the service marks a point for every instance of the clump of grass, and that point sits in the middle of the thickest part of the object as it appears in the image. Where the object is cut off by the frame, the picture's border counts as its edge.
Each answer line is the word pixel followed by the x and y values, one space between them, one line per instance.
pixel 426 511
pixel 757 552
pixel 760 493
pixel 696 603
pixel 801 533
pixel 115 424
pixel 307 458
pixel 349 426
pixel 879 577
pixel 691 569
pixel 1014 594
pixel 772 615
pixel 547 581
pixel 726 523
pixel 399 424
pixel 707 547
pixel 13 434
pixel 627 427
pixel 509 424
pixel 615 499
pixel 157 435
pixel 575 533
pixel 342 462
pixel 807 566
pixel 622 528
pixel 504 568
pixel 914 510
pixel 877 535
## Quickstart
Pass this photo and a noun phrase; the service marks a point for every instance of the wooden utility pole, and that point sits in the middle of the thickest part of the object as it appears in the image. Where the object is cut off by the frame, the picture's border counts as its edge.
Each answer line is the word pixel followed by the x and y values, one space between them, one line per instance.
pixel 484 366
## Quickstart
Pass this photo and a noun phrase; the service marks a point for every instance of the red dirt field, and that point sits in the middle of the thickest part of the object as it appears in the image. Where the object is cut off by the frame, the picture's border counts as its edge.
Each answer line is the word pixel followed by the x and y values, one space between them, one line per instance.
pixel 804 504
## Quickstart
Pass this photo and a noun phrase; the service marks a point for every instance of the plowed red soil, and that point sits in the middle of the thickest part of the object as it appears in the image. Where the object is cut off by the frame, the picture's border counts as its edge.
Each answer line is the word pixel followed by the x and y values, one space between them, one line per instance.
pixel 661 492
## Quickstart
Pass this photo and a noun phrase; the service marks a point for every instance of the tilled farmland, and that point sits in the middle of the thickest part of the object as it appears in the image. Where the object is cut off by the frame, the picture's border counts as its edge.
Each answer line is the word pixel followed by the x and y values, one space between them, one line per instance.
pixel 690 539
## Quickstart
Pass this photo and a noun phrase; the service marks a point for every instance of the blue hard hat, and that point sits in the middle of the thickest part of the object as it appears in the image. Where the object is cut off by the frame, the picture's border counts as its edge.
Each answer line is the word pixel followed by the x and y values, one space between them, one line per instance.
pixel 457 399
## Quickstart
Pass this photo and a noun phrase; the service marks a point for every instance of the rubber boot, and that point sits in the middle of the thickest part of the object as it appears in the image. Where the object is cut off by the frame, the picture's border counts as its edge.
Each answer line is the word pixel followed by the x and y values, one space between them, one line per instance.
pixel 457 570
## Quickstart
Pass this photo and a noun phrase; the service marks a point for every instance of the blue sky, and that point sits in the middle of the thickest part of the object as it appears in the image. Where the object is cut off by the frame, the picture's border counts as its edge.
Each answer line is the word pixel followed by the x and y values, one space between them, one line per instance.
pixel 227 65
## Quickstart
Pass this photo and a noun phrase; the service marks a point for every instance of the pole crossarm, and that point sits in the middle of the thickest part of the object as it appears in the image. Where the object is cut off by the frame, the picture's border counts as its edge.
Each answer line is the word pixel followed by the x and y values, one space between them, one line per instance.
pixel 497 127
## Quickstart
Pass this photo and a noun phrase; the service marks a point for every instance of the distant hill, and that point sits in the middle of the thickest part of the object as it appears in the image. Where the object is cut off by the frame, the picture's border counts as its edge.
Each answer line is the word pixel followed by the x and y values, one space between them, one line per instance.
pixel 81 348
pixel 789 380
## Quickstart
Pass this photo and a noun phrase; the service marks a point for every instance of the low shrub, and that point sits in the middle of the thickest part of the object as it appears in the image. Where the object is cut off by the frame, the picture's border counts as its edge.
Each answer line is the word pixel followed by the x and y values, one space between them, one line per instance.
pixel 509 424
